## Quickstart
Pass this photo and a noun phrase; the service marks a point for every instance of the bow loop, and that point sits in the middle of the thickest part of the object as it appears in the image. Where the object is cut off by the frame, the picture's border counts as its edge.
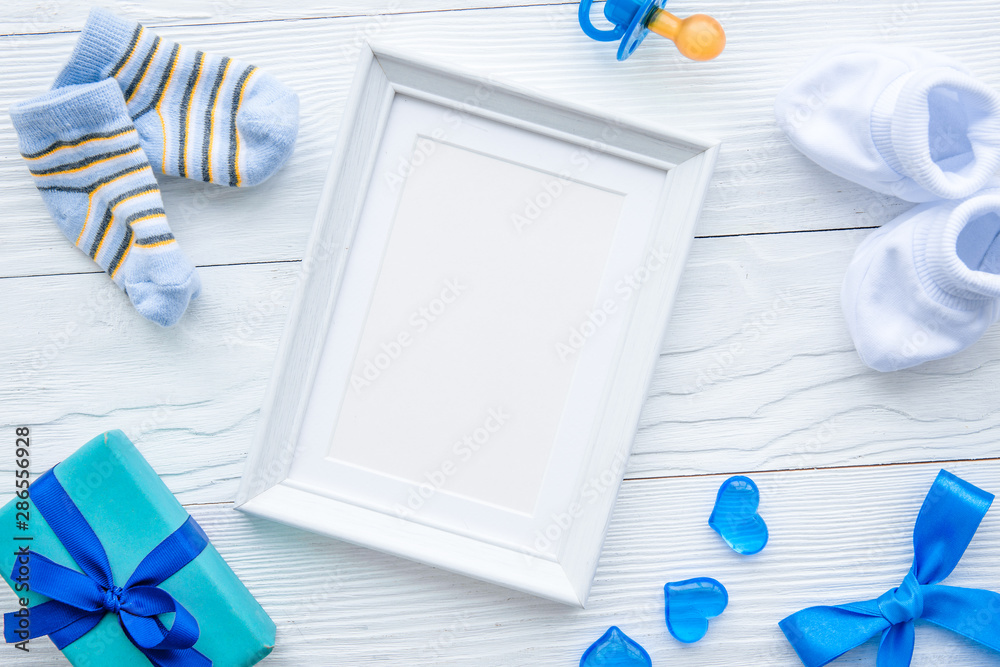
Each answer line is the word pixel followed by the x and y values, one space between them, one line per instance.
pixel 903 603
pixel 948 519
pixel 80 600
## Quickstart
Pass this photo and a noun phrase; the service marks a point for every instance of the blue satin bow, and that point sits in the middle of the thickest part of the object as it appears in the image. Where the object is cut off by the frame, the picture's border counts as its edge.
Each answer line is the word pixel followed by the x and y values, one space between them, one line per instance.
pixel 948 519
pixel 80 601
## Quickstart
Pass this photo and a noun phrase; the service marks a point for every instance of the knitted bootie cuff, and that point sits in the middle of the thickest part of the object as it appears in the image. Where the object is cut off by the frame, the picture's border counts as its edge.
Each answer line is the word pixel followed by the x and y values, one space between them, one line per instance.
pixel 905 138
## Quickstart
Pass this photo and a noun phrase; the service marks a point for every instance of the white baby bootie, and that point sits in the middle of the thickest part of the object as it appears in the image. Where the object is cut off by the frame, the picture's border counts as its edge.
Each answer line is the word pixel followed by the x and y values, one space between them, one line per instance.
pixel 927 284
pixel 899 120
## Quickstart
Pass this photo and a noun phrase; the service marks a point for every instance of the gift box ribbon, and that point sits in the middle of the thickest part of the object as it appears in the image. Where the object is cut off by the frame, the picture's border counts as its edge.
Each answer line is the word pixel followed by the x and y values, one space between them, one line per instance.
pixel 948 519
pixel 80 601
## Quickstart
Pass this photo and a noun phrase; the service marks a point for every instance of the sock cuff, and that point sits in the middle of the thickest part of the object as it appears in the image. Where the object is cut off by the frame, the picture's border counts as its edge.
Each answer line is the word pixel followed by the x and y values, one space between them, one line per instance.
pixel 937 262
pixel 66 113
pixel 105 40
pixel 910 136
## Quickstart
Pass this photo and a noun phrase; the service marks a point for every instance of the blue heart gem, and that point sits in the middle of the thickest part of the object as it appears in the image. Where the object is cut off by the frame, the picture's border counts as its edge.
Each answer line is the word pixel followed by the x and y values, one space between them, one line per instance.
pixel 735 516
pixel 689 605
pixel 615 649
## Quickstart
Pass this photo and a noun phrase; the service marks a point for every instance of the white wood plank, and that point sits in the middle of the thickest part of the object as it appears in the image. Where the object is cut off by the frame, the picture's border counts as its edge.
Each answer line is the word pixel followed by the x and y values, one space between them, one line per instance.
pixel 759 372
pixel 80 360
pixel 64 15
pixel 762 184
pixel 836 536
pixel 794 395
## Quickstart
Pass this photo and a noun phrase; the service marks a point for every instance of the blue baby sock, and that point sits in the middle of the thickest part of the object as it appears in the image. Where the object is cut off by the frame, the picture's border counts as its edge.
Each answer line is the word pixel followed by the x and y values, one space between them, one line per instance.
pixel 199 116
pixel 84 153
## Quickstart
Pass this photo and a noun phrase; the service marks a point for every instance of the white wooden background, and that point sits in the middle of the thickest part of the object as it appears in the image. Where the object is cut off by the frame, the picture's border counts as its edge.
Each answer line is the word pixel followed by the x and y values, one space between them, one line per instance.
pixel 757 374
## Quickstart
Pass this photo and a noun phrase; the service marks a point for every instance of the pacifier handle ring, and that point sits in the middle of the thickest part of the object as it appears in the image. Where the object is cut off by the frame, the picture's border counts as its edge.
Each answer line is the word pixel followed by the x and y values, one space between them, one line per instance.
pixel 593 32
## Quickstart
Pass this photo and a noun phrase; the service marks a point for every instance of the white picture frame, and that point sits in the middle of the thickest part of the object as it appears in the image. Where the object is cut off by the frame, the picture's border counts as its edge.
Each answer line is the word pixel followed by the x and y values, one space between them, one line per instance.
pixel 481 307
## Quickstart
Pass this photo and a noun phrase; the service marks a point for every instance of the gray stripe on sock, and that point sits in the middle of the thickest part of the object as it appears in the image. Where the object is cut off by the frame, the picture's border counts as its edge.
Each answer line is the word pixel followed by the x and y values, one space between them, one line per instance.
pixel 83 163
pixel 142 69
pixel 74 142
pixel 162 85
pixel 208 119
pixel 232 129
pixel 153 240
pixel 131 47
pixel 120 253
pixel 185 106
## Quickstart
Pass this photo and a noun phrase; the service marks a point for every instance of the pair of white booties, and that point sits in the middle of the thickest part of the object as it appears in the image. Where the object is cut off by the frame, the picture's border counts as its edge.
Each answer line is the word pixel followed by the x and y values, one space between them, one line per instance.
pixel 917 125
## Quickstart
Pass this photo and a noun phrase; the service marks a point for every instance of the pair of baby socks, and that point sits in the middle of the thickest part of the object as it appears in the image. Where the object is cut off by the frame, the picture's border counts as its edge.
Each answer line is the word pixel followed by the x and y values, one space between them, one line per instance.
pixel 128 103
pixel 917 125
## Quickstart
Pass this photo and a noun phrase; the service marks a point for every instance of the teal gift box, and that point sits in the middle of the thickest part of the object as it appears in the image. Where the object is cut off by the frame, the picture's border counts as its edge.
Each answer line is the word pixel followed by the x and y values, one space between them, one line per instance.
pixel 131 512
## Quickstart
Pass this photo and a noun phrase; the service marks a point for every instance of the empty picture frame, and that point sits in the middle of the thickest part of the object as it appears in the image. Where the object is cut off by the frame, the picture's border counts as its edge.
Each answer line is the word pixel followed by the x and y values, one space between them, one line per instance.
pixel 481 307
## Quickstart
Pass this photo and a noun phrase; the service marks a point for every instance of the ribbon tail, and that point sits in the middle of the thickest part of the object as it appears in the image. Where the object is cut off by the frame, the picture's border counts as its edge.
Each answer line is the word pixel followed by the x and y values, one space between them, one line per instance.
pixel 66 636
pixel 64 584
pixel 188 657
pixel 896 648
pixel 50 618
pixel 822 634
pixel 971 612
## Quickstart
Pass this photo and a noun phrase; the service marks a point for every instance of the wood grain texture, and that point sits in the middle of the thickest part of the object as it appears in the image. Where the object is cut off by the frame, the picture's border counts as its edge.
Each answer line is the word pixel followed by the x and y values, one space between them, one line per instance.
pixel 44 16
pixel 836 536
pixel 729 99
pixel 759 373
pixel 756 372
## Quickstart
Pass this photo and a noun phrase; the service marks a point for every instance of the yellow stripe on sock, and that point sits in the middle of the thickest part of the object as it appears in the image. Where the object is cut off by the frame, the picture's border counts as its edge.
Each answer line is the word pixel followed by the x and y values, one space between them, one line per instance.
pixel 160 243
pixel 138 149
pixel 135 89
pixel 91 201
pixel 147 217
pixel 136 196
pixel 163 125
pixel 86 218
pixel 80 143
pixel 211 125
pixel 239 103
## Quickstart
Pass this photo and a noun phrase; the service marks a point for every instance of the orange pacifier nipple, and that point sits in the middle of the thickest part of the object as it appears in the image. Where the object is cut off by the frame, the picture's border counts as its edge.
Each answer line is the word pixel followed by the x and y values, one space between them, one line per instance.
pixel 698 37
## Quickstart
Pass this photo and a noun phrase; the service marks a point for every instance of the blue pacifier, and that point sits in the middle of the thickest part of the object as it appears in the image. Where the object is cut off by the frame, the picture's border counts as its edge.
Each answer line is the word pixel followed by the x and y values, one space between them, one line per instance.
pixel 698 37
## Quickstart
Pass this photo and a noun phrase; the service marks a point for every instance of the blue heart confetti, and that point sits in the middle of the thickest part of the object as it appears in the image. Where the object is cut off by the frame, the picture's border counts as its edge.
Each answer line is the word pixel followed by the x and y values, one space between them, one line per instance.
pixel 689 605
pixel 615 649
pixel 735 516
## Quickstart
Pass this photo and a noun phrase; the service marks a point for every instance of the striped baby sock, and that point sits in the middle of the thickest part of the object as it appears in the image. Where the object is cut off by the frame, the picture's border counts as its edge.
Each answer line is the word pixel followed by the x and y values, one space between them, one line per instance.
pixel 199 116
pixel 84 153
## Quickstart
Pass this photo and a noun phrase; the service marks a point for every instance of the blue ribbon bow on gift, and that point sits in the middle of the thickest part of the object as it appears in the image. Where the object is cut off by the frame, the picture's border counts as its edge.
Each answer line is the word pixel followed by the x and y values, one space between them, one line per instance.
pixel 948 519
pixel 80 601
